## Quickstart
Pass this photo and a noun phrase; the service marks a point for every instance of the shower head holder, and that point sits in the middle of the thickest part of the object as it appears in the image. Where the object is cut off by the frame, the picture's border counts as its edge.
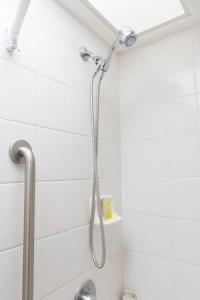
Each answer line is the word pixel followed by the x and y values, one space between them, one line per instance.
pixel 86 55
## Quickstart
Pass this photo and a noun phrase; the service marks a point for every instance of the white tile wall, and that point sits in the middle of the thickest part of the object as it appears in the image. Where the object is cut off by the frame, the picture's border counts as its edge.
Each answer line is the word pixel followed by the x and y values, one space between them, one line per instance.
pixel 44 98
pixel 187 276
pixel 159 86
pixel 14 79
pixel 49 106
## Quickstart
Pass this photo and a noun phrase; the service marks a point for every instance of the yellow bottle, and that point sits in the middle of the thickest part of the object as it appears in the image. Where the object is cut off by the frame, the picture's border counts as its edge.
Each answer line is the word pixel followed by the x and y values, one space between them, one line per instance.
pixel 106 207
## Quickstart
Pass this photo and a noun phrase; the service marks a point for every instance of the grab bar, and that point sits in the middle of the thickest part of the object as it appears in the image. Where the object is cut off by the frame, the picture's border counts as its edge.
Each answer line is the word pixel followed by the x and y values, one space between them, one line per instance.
pixel 21 152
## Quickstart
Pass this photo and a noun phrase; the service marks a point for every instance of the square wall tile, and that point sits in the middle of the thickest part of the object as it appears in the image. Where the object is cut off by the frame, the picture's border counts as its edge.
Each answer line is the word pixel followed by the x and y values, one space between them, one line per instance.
pixel 184 156
pixel 11 214
pixel 78 115
pixel 143 122
pixel 134 271
pixel 178 80
pixel 186 197
pixel 109 127
pixel 177 66
pixel 80 261
pixel 182 116
pixel 160 278
pixel 52 16
pixel 52 208
pixel 187 281
pixel 187 240
pixel 150 235
pixel 133 79
pixel 109 159
pixel 79 199
pixel 53 154
pixel 19 101
pixel 52 258
pixel 148 158
pixel 79 160
pixel 53 104
pixel 150 196
pixel 11 274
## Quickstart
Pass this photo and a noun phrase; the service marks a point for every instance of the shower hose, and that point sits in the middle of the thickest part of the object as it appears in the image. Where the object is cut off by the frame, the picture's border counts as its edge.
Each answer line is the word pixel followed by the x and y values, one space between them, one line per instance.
pixel 96 201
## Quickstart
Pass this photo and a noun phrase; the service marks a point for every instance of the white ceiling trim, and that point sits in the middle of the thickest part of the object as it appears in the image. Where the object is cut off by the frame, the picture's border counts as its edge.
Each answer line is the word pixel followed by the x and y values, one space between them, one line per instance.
pixel 87 14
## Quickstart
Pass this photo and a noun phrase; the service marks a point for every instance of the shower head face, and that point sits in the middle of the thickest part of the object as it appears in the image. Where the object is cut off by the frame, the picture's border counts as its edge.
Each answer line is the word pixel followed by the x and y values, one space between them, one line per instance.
pixel 126 37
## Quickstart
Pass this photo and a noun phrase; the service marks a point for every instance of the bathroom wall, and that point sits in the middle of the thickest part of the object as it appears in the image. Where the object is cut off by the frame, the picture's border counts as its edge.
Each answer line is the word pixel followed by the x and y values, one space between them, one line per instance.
pixel 160 126
pixel 44 99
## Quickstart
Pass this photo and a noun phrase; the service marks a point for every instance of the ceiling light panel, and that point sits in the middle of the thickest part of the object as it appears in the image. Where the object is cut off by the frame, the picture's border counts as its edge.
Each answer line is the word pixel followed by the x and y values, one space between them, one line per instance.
pixel 141 15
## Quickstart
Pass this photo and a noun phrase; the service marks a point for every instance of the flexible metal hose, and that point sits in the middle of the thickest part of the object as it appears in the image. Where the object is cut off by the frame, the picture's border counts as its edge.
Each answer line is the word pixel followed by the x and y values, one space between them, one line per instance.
pixel 96 201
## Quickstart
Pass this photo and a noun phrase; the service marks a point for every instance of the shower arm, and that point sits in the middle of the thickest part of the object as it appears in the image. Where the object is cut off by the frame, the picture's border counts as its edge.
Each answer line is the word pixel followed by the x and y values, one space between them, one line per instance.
pixel 14 30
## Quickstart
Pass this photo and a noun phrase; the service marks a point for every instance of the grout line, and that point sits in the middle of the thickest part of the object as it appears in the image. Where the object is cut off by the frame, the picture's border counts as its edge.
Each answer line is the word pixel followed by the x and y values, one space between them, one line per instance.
pixel 66 231
pixel 50 236
pixel 142 105
pixel 36 126
pixel 159 177
pixel 161 216
pixel 8 249
pixel 170 259
pixel 59 180
pixel 164 138
pixel 104 178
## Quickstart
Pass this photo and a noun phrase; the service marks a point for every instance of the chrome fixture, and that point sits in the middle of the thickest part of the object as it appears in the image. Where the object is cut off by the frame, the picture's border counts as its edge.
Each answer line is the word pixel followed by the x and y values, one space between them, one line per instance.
pixel 14 31
pixel 86 55
pixel 87 291
pixel 125 37
pixel 21 152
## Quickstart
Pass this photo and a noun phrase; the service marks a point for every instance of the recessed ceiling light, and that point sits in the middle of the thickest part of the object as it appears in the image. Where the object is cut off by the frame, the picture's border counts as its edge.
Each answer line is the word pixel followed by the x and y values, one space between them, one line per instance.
pixel 141 15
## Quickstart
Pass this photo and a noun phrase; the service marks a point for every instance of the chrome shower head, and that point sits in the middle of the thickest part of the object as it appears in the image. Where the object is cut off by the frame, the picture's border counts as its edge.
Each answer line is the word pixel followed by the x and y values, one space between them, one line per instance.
pixel 126 37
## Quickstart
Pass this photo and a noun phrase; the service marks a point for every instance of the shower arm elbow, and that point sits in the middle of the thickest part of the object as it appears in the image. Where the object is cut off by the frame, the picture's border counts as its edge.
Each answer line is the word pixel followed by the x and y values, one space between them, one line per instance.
pixel 14 31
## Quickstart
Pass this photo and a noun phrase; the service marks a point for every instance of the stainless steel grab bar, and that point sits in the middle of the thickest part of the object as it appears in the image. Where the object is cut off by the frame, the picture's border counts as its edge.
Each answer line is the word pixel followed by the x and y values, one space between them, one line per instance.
pixel 21 152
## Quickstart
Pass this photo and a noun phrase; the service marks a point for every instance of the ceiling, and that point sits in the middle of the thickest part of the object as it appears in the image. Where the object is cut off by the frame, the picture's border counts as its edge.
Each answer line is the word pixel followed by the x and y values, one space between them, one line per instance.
pixel 92 18
pixel 141 15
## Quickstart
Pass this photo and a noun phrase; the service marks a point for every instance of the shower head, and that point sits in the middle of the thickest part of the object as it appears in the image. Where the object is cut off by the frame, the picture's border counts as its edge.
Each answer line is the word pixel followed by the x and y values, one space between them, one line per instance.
pixel 126 37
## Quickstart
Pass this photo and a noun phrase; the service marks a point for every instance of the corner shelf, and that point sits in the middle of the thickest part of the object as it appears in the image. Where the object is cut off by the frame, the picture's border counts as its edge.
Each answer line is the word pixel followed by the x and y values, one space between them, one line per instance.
pixel 115 219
